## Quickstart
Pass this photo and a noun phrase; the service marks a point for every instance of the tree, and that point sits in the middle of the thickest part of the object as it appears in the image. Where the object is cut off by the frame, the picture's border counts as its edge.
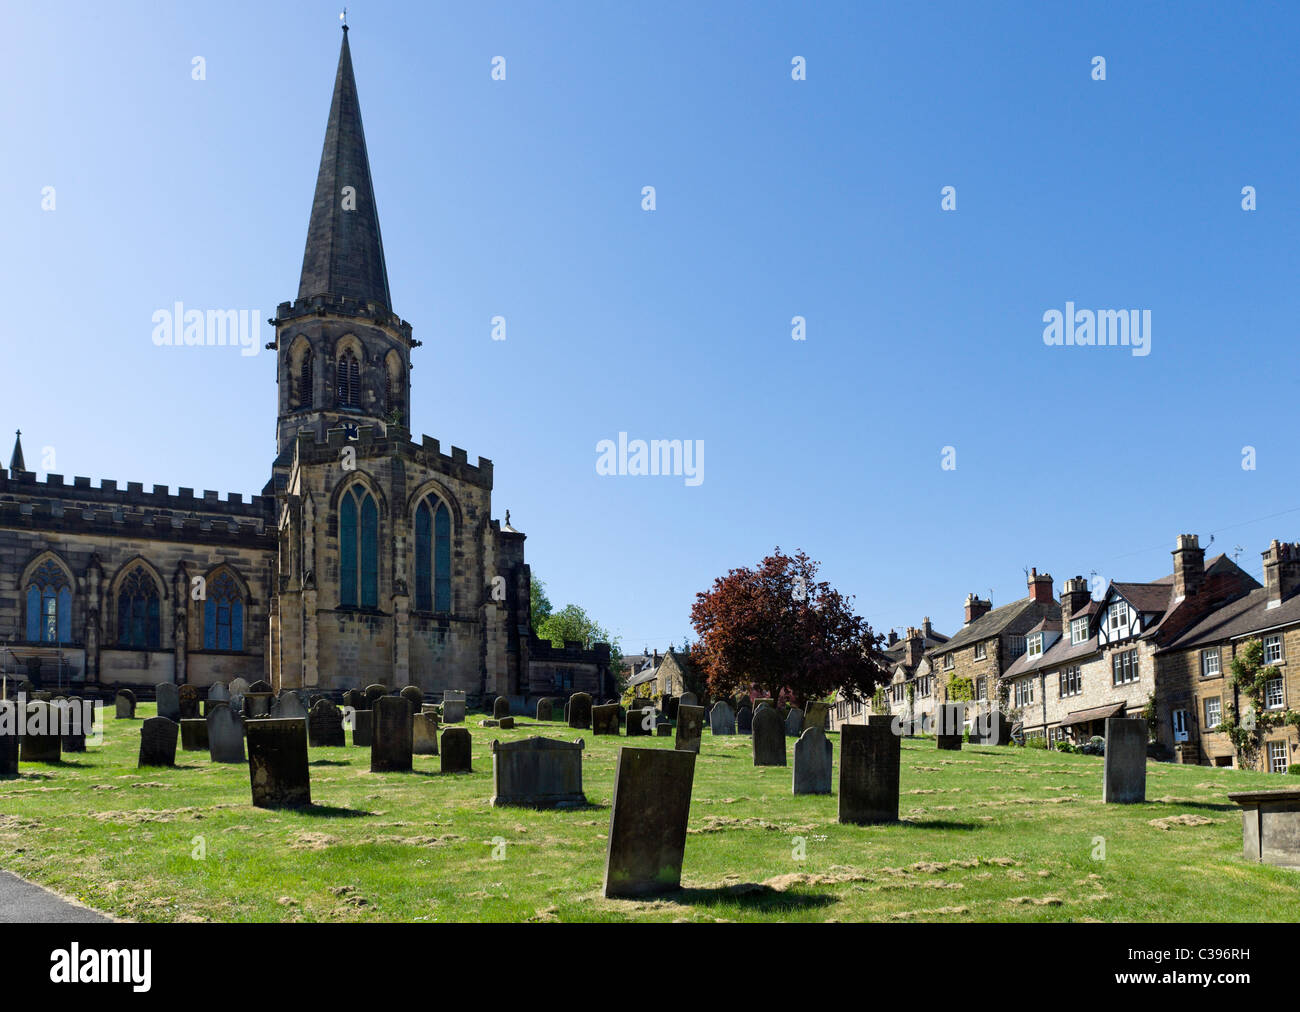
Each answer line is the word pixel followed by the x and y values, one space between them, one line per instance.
pixel 539 605
pixel 780 629
pixel 571 623
pixel 1250 677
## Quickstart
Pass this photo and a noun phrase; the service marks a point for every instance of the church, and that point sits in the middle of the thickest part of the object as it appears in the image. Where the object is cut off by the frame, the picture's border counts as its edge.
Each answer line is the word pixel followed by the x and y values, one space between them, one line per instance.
pixel 367 558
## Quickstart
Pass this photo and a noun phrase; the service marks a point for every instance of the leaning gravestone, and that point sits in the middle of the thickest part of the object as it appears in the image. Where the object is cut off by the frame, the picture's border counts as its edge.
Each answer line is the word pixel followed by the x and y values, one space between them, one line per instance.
pixel 169 702
pixel 538 773
pixel 813 759
pixel 545 709
pixel 647 826
pixel 604 720
pixel 277 763
pixel 42 742
pixel 424 733
pixel 288 706
pixel 158 742
pixel 950 723
pixel 362 728
pixel 815 716
pixel 869 761
pixel 257 704
pixel 768 738
pixel 9 738
pixel 794 722
pixel 390 749
pixel 187 698
pixel 455 753
pixel 1125 765
pixel 225 734
pixel 453 706
pixel 690 728
pixel 580 711
pixel 125 703
pixel 501 708
pixel 640 722
pixel 325 726
pixel 722 719
pixel 744 720
pixel 194 734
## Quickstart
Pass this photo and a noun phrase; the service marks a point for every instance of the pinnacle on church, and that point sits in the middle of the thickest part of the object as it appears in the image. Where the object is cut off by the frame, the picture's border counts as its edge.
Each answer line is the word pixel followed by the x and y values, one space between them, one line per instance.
pixel 16 462
pixel 345 253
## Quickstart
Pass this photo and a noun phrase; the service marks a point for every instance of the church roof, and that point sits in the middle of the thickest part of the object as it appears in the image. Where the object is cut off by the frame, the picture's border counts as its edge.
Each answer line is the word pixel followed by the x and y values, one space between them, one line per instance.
pixel 345 254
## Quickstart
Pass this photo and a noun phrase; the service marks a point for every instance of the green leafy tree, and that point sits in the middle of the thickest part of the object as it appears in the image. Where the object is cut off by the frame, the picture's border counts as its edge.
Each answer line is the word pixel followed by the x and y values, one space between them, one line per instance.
pixel 572 623
pixel 961 690
pixel 1250 677
pixel 539 605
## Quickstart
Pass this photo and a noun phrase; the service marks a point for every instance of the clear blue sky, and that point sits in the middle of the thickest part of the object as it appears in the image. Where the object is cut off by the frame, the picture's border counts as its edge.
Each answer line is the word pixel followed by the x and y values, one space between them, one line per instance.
pixel 775 198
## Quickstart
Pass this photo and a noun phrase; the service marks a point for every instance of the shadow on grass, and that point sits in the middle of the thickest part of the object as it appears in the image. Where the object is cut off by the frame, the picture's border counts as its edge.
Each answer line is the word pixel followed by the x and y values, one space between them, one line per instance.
pixel 1208 805
pixel 750 895
pixel 329 762
pixel 334 812
pixel 941 824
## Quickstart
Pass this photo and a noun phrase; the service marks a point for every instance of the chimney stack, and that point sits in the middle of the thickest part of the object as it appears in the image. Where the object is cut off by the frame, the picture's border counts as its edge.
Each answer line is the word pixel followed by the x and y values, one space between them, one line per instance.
pixel 926 631
pixel 1281 571
pixel 1074 598
pixel 915 647
pixel 1189 566
pixel 893 637
pixel 975 608
pixel 1040 586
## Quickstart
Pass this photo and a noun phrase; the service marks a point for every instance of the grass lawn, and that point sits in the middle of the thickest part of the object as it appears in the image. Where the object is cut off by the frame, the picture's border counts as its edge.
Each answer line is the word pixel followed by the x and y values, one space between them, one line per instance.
pixel 988 833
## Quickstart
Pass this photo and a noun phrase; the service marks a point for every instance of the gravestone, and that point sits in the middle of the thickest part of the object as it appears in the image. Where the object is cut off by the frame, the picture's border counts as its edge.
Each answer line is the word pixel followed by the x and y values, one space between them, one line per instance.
pixel 169 701
pixel 455 753
pixel 257 704
pixel 992 727
pixel 313 699
pixel 794 722
pixel 670 707
pixel 815 716
pixel 76 717
pixel 813 762
pixel 1270 825
pixel 545 709
pixel 260 686
pixel 501 708
pixel 768 738
pixel 237 687
pixel 507 723
pixel 640 722
pixel 690 728
pixel 225 734
pixel 647 826
pixel 187 698
pixel 453 706
pixel 414 696
pixel 424 733
pixel 604 720
pixel 760 703
pixel 325 726
pixel 277 763
pixel 1124 777
pixel 869 761
pixel 374 691
pixel 354 698
pixel 218 693
pixel 42 742
pixel 663 730
pixel 688 699
pixel 538 773
pixel 390 749
pixel 194 734
pixel 722 719
pixel 288 706
pixel 566 711
pixel 489 722
pixel 950 724
pixel 362 728
pixel 158 742
pixel 9 738
pixel 580 711
pixel 125 702
pixel 237 702
pixel 744 720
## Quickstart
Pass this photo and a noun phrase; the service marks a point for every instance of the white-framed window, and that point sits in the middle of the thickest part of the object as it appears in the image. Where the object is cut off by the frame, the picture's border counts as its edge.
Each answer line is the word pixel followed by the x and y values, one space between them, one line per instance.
pixel 980 651
pixel 1277 760
pixel 1210 662
pixel 1124 667
pixel 948 662
pixel 1016 645
pixel 1213 712
pixel 1055 734
pixel 981 688
pixel 924 685
pixel 1078 629
pixel 1272 649
pixel 1274 693
pixel 1024 692
pixel 1117 616
pixel 1034 645
pixel 1071 681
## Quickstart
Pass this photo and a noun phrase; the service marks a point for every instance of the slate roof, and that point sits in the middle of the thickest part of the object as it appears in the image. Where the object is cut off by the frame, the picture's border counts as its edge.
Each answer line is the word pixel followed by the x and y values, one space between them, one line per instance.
pixel 1246 615
pixel 987 625
pixel 345 254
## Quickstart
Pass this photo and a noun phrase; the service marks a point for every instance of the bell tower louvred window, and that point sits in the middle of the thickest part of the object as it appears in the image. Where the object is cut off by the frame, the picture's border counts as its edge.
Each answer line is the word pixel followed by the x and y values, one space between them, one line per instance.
pixel 348 385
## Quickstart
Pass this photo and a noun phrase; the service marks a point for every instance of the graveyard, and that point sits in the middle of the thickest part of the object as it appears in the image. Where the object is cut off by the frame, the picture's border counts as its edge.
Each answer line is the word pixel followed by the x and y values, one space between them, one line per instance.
pixel 985 833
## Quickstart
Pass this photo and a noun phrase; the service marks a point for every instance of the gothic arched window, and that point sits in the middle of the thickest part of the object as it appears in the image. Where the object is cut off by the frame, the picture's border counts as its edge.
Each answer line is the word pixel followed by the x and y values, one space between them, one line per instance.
pixel 223 615
pixel 348 381
pixel 432 556
pixel 305 380
pixel 358 549
pixel 138 623
pixel 49 605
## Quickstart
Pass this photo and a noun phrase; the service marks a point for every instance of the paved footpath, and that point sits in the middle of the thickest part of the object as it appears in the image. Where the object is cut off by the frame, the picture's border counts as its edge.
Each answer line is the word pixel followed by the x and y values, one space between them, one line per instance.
pixel 23 902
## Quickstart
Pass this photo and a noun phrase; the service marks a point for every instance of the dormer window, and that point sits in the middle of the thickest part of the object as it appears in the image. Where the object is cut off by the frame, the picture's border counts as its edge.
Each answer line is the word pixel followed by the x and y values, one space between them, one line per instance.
pixel 1117 616
pixel 1034 645
pixel 1078 629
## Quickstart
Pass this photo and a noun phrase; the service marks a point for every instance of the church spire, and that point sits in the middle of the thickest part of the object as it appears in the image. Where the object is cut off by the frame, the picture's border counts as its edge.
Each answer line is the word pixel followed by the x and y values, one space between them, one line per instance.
pixel 345 254
pixel 16 462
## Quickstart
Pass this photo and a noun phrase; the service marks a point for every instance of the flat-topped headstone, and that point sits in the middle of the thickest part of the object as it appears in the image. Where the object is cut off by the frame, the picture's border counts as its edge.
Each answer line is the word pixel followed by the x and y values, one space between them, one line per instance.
pixel 225 734
pixel 1270 825
pixel 413 695
pixel 289 705
pixel 744 720
pixel 1124 774
pixel 670 707
pixel 158 742
pixel 869 766
pixel 722 718
pixel 362 727
pixel 815 716
pixel 663 730
pixel 455 753
pixel 690 728
pixel 950 725
pixel 41 740
pixel 647 826
pixel 277 763
pixel 453 706
pixel 169 701
pixel 794 722
pixel 545 709
pixel 194 734
pixel 9 738
pixel 390 748
pixel 424 733
pixel 325 726
pixel 768 741
pixel 187 698
pixel 501 707
pixel 640 722
pixel 687 699
pixel 813 762
pixel 604 719
pixel 580 711
pixel 125 704
pixel 538 773
pixel 257 704
pixel 238 687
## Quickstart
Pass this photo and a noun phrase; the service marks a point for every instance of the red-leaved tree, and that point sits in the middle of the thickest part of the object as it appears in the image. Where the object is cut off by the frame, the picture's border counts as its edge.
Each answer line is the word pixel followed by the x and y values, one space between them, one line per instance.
pixel 777 628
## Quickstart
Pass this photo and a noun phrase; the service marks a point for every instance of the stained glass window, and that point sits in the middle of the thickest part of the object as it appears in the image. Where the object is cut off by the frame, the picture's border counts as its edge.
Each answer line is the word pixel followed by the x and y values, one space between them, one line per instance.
pixel 49 605
pixel 138 623
pixel 433 556
pixel 358 549
pixel 223 615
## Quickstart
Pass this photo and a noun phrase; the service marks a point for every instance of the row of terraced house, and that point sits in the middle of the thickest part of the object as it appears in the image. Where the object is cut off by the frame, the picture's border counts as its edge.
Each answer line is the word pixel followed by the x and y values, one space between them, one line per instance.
pixel 1061 667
